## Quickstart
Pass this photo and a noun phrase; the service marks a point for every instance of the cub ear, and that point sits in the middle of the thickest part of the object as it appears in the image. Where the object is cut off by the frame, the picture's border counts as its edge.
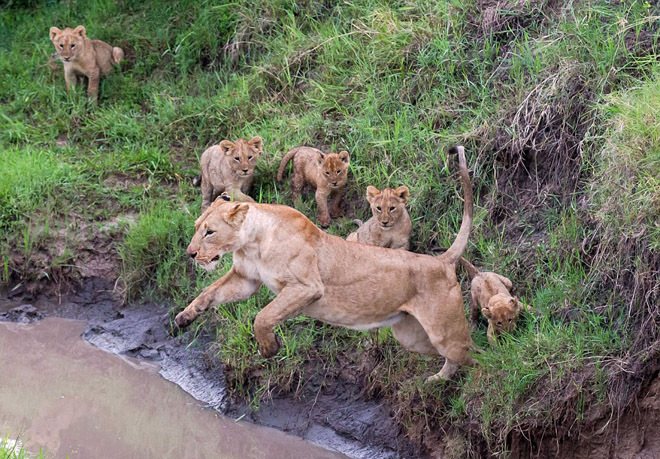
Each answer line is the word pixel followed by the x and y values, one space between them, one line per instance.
pixel 54 31
pixel 80 30
pixel 403 193
pixel 226 146
pixel 344 156
pixel 486 312
pixel 256 142
pixel 236 214
pixel 321 157
pixel 372 193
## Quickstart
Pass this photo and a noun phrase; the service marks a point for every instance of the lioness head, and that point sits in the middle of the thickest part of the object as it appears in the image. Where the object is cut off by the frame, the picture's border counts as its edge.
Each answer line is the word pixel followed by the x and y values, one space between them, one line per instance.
pixel 68 42
pixel 334 167
pixel 217 232
pixel 388 205
pixel 502 312
pixel 242 155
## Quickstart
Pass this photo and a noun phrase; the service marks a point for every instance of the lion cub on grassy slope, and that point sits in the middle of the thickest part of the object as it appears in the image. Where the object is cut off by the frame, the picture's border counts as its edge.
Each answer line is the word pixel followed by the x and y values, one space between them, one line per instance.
pixel 390 224
pixel 327 173
pixel 82 56
pixel 491 292
pixel 229 167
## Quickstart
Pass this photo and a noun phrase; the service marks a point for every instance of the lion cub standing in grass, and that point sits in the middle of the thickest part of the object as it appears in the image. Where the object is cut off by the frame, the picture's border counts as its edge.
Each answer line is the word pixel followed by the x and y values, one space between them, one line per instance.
pixel 229 167
pixel 82 56
pixel 490 292
pixel 327 173
pixel 390 224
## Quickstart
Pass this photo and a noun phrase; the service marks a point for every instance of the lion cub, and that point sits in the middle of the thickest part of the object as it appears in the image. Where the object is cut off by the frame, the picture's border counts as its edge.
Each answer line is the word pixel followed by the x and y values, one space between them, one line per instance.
pixel 491 293
pixel 327 173
pixel 82 56
pixel 390 224
pixel 229 167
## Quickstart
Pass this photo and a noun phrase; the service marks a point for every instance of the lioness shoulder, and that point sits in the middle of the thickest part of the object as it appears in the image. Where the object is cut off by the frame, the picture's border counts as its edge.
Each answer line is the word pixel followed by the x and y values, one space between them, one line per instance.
pixel 84 57
pixel 327 173
pixel 390 224
pixel 229 167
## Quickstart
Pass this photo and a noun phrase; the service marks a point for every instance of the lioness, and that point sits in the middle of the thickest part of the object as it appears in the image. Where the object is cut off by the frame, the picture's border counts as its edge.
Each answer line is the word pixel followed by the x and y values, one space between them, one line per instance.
pixel 390 224
pixel 490 293
pixel 229 166
pixel 82 56
pixel 343 283
pixel 327 173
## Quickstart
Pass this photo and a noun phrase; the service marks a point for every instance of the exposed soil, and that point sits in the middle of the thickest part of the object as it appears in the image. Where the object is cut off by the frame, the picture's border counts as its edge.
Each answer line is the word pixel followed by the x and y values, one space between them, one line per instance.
pixel 338 416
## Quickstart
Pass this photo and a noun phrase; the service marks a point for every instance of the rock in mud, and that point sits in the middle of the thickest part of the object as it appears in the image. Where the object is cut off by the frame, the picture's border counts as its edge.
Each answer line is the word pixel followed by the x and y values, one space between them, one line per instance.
pixel 25 314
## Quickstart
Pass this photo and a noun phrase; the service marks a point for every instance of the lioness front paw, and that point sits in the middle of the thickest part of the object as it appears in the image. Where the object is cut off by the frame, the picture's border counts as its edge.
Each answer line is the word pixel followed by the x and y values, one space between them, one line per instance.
pixel 270 347
pixel 183 319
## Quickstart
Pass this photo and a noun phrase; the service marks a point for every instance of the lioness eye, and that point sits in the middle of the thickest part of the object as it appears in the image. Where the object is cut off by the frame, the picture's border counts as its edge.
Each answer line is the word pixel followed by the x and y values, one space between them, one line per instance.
pixel 236 158
pixel 61 46
pixel 208 233
pixel 391 209
pixel 378 208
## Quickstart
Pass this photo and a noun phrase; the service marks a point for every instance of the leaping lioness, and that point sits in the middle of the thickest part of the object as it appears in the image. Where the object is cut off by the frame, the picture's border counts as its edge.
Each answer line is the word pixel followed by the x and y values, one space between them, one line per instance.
pixel 343 283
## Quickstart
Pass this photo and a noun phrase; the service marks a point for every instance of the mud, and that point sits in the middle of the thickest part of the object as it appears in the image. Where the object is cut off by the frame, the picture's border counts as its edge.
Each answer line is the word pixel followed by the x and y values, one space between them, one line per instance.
pixel 334 415
pixel 75 400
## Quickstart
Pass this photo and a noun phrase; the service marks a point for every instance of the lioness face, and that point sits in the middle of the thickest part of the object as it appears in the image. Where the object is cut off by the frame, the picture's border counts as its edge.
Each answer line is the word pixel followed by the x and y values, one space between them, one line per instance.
pixel 388 205
pixel 502 312
pixel 217 232
pixel 68 42
pixel 334 167
pixel 242 155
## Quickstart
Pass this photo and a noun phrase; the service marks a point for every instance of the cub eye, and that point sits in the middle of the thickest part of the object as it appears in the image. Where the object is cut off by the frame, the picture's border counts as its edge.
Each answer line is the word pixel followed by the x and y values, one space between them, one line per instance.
pixel 327 173
pixel 378 208
pixel 499 323
pixel 61 46
pixel 339 172
pixel 250 158
pixel 73 46
pixel 236 158
pixel 208 233
pixel 510 320
pixel 392 209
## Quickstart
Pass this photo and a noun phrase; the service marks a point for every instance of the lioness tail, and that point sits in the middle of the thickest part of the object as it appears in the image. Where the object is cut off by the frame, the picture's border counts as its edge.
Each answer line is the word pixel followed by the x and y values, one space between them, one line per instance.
pixel 454 252
pixel 284 162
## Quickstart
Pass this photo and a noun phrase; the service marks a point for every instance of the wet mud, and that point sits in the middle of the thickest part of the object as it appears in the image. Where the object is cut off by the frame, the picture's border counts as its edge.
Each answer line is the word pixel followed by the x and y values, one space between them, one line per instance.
pixel 336 416
pixel 74 400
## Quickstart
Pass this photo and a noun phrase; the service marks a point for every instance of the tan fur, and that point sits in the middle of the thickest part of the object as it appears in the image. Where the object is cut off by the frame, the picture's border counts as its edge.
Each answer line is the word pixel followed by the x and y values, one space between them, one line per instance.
pixel 327 173
pixel 343 283
pixel 490 295
pixel 82 56
pixel 390 224
pixel 229 167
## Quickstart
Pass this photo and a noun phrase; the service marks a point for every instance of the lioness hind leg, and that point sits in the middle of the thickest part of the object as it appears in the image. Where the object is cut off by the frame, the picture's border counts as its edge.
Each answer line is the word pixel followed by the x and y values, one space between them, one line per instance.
pixel 411 335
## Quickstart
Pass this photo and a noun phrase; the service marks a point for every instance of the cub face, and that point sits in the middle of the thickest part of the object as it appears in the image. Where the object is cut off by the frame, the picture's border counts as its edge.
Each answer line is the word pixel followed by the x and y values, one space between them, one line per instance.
pixel 68 42
pixel 334 168
pixel 217 232
pixel 242 155
pixel 502 312
pixel 388 206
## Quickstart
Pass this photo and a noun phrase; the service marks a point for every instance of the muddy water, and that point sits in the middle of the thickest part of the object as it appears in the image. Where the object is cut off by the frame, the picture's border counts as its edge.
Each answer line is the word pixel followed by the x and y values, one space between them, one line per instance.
pixel 62 394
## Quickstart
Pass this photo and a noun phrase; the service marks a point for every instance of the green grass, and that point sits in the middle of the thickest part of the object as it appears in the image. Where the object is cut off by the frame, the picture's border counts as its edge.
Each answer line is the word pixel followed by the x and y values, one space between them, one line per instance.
pixel 556 103
pixel 10 449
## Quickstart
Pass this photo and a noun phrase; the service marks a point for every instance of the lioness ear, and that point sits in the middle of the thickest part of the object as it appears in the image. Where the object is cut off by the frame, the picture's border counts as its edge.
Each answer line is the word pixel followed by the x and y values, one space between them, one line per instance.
pixel 344 156
pixel 486 312
pixel 236 214
pixel 226 146
pixel 54 31
pixel 372 192
pixel 256 142
pixel 80 30
pixel 403 193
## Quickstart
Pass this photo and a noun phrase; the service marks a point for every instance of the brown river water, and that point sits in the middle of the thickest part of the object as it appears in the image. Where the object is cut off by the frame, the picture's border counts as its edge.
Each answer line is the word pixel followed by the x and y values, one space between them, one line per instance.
pixel 59 393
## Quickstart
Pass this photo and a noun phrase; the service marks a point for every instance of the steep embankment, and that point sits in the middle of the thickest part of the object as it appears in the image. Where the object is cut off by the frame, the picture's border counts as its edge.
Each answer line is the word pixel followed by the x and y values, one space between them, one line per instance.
pixel 555 101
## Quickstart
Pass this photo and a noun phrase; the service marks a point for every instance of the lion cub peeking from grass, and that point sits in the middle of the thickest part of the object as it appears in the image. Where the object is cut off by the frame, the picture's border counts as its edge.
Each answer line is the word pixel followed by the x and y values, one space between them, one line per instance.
pixel 490 292
pixel 82 56
pixel 390 224
pixel 327 173
pixel 229 167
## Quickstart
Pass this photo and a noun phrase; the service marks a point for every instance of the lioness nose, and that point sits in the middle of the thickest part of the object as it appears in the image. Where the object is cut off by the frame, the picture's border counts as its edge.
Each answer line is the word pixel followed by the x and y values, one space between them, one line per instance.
pixel 191 253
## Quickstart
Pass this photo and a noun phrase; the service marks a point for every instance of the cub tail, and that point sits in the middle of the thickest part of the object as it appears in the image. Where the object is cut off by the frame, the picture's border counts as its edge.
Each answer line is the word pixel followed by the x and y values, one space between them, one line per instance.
pixel 288 157
pixel 472 270
pixel 454 252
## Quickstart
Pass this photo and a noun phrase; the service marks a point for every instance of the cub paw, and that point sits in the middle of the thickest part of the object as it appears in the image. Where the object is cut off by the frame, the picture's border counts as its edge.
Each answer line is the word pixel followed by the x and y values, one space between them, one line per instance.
pixel 324 221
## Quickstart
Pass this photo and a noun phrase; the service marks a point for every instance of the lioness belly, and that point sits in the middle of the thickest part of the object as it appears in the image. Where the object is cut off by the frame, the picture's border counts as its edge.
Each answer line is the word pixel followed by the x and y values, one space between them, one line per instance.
pixel 353 318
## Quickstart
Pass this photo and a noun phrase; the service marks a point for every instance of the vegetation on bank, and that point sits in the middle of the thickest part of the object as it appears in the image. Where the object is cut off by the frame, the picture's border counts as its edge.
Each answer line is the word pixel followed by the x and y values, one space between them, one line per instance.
pixel 557 103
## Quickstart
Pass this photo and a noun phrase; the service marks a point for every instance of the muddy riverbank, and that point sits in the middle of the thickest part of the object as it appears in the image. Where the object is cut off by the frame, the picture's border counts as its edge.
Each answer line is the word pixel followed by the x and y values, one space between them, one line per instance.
pixel 337 417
